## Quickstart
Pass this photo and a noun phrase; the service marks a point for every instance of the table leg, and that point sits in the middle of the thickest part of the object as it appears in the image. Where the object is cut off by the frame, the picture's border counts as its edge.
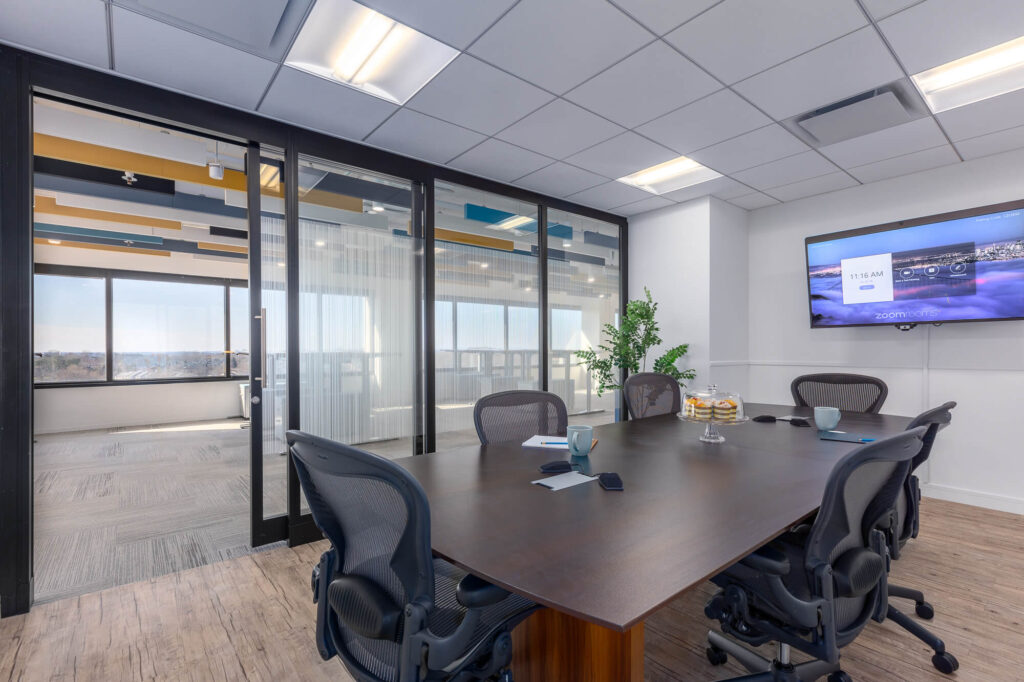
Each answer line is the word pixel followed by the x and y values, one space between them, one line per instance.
pixel 550 645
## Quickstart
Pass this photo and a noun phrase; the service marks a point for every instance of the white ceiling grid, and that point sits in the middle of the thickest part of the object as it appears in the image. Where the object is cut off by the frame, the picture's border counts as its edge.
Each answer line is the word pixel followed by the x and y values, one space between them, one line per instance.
pixel 565 96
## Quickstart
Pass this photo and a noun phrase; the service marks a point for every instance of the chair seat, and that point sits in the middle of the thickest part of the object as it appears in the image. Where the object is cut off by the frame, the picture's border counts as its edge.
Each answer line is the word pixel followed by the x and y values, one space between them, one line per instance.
pixel 447 615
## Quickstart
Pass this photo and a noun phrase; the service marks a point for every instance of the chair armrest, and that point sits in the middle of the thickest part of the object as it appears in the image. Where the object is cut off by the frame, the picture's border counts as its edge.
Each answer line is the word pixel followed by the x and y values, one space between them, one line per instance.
pixel 475 593
pixel 767 560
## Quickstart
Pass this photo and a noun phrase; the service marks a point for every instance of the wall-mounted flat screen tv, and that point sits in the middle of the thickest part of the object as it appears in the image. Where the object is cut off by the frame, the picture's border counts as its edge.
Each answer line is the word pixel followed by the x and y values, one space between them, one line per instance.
pixel 955 267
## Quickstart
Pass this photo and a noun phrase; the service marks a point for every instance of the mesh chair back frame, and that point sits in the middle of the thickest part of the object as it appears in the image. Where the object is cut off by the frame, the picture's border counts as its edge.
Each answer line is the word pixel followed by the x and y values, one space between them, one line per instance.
pixel 649 394
pixel 848 392
pixel 515 416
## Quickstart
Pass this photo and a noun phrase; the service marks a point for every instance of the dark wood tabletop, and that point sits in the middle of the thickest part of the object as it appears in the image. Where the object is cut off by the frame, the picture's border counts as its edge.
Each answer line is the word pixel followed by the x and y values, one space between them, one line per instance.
pixel 689 509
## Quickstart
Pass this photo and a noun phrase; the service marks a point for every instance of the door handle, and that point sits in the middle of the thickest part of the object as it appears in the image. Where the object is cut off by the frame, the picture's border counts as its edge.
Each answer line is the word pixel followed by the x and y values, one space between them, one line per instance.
pixel 262 317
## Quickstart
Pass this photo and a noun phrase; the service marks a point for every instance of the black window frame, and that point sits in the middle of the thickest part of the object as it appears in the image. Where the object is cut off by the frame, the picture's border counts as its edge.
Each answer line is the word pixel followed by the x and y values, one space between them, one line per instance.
pixel 108 275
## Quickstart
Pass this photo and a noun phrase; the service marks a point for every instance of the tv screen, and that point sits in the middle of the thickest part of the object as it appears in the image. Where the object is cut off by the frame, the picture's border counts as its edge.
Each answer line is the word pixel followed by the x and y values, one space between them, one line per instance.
pixel 956 267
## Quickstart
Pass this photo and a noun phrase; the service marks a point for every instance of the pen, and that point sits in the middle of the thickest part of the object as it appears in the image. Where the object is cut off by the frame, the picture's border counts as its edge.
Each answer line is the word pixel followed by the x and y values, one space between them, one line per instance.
pixel 553 442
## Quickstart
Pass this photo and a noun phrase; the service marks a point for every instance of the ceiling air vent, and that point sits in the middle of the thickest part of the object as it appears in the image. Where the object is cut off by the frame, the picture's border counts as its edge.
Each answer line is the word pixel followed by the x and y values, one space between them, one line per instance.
pixel 859 115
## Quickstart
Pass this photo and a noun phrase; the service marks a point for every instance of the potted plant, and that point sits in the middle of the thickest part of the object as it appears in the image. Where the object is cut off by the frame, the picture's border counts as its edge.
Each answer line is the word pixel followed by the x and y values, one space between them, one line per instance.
pixel 627 346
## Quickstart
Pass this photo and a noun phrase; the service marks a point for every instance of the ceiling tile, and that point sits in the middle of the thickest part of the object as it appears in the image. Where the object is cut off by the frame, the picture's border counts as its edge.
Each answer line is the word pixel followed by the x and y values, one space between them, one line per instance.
pixel 739 38
pixel 558 44
pixel 622 155
pixel 909 137
pixel 456 22
pixel 609 195
pixel 750 149
pixel 661 16
pixel 808 188
pixel 312 102
pixel 268 29
pixel 986 116
pixel 902 165
pixel 723 188
pixel 560 180
pixel 809 164
pixel 168 56
pixel 425 137
pixel 500 160
pixel 72 29
pixel 559 129
pixel 715 118
pixel 849 66
pixel 993 143
pixel 643 206
pixel 753 201
pixel 645 85
pixel 938 31
pixel 477 96
pixel 880 9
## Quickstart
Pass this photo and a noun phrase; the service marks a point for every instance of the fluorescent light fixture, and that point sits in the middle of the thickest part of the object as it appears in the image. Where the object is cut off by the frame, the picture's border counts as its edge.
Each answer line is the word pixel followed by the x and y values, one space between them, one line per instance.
pixel 320 242
pixel 566 245
pixel 513 222
pixel 55 242
pixel 671 175
pixel 484 265
pixel 590 280
pixel 977 76
pixel 351 44
pixel 270 175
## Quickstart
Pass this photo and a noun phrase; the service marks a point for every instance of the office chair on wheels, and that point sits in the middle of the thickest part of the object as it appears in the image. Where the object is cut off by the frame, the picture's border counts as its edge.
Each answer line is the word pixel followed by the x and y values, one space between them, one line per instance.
pixel 848 392
pixel 385 606
pixel 516 416
pixel 649 394
pixel 906 524
pixel 815 588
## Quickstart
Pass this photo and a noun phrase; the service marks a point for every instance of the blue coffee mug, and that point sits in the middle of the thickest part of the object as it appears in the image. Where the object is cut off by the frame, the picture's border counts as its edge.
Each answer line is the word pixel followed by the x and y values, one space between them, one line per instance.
pixel 826 418
pixel 580 439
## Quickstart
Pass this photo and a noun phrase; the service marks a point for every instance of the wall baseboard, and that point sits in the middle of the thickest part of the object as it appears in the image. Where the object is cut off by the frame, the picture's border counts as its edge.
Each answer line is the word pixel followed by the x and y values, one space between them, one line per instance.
pixel 974 497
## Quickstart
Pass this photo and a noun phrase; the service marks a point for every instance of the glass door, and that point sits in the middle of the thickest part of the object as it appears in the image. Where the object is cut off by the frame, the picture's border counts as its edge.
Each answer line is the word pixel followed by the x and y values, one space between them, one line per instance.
pixel 268 308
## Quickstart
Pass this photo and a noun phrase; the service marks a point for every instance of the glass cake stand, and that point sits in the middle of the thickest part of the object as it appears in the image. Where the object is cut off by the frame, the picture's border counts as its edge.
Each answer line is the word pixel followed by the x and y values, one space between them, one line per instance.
pixel 713 408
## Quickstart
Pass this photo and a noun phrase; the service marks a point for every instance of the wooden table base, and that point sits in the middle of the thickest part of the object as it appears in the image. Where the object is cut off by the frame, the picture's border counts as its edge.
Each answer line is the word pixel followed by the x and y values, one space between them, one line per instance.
pixel 549 645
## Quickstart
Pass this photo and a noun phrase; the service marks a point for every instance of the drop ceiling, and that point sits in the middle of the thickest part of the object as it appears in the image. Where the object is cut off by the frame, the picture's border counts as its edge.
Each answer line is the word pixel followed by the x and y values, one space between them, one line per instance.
pixel 565 96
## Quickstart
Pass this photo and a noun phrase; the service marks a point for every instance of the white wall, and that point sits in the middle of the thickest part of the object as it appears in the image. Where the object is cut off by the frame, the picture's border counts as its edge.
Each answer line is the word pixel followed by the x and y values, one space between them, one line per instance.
pixel 82 408
pixel 980 364
pixel 729 297
pixel 669 253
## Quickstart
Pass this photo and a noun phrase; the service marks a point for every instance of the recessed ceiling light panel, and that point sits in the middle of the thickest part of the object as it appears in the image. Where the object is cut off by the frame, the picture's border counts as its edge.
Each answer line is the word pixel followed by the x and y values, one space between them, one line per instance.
pixel 670 176
pixel 346 42
pixel 977 76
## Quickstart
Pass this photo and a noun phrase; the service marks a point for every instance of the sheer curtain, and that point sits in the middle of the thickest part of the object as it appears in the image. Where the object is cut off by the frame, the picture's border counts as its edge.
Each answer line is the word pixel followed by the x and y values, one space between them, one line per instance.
pixel 357 315
pixel 583 296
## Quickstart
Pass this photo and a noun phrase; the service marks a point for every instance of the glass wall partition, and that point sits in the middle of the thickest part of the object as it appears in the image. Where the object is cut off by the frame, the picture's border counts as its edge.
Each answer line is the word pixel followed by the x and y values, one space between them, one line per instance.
pixel 583 296
pixel 357 307
pixel 486 319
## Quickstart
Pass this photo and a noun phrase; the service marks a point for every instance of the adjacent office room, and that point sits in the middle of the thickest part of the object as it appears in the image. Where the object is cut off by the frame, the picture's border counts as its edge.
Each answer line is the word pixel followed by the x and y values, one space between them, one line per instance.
pixel 511 340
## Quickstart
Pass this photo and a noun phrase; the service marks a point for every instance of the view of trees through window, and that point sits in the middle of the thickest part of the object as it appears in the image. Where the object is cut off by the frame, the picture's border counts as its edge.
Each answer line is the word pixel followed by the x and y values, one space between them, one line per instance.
pixel 160 329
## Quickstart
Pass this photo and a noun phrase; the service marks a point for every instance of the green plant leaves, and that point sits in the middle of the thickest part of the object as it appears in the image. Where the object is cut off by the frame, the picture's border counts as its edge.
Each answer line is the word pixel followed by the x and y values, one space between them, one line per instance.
pixel 627 346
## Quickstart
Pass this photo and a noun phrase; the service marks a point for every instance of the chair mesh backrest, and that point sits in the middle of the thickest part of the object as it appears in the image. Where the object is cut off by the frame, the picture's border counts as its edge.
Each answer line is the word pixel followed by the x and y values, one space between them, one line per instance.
pixel 848 392
pixel 934 420
pixel 649 394
pixel 866 480
pixel 376 515
pixel 515 416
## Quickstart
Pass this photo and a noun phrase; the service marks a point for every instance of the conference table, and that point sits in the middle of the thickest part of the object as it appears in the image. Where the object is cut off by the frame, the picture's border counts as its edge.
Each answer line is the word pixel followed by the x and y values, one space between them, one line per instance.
pixel 603 561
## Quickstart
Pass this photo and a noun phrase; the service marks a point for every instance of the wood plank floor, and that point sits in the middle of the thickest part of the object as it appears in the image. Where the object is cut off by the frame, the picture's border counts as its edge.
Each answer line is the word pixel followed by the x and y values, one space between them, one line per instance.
pixel 251 618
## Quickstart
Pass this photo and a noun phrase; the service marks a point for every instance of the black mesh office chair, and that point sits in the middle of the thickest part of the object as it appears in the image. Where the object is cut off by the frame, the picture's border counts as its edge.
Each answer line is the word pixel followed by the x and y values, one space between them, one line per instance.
pixel 516 416
pixel 905 525
pixel 649 394
pixel 816 587
pixel 385 606
pixel 848 392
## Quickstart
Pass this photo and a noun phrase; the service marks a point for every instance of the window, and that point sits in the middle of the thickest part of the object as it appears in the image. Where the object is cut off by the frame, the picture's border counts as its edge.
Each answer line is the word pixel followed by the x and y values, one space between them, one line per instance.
pixel 70 329
pixel 583 294
pixel 239 324
pixel 165 330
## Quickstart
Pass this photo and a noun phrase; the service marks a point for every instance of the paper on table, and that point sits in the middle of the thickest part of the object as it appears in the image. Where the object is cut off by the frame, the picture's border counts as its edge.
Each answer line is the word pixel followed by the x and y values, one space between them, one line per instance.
pixel 549 442
pixel 564 480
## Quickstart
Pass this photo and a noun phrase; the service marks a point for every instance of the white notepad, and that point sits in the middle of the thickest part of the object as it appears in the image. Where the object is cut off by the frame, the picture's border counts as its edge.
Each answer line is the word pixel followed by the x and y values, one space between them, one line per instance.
pixel 553 442
pixel 566 480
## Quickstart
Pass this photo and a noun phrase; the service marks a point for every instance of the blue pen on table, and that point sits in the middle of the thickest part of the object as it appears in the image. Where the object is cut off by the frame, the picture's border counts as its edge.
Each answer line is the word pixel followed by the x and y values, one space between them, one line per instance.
pixel 553 442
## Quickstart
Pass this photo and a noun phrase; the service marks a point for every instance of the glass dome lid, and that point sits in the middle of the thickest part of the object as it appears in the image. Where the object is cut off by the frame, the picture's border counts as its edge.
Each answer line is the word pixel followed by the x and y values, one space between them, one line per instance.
pixel 713 407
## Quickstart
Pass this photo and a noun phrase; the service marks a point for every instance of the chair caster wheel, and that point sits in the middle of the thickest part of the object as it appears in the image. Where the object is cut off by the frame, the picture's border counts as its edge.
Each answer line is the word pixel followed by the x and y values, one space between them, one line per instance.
pixel 716 656
pixel 925 610
pixel 840 676
pixel 945 663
